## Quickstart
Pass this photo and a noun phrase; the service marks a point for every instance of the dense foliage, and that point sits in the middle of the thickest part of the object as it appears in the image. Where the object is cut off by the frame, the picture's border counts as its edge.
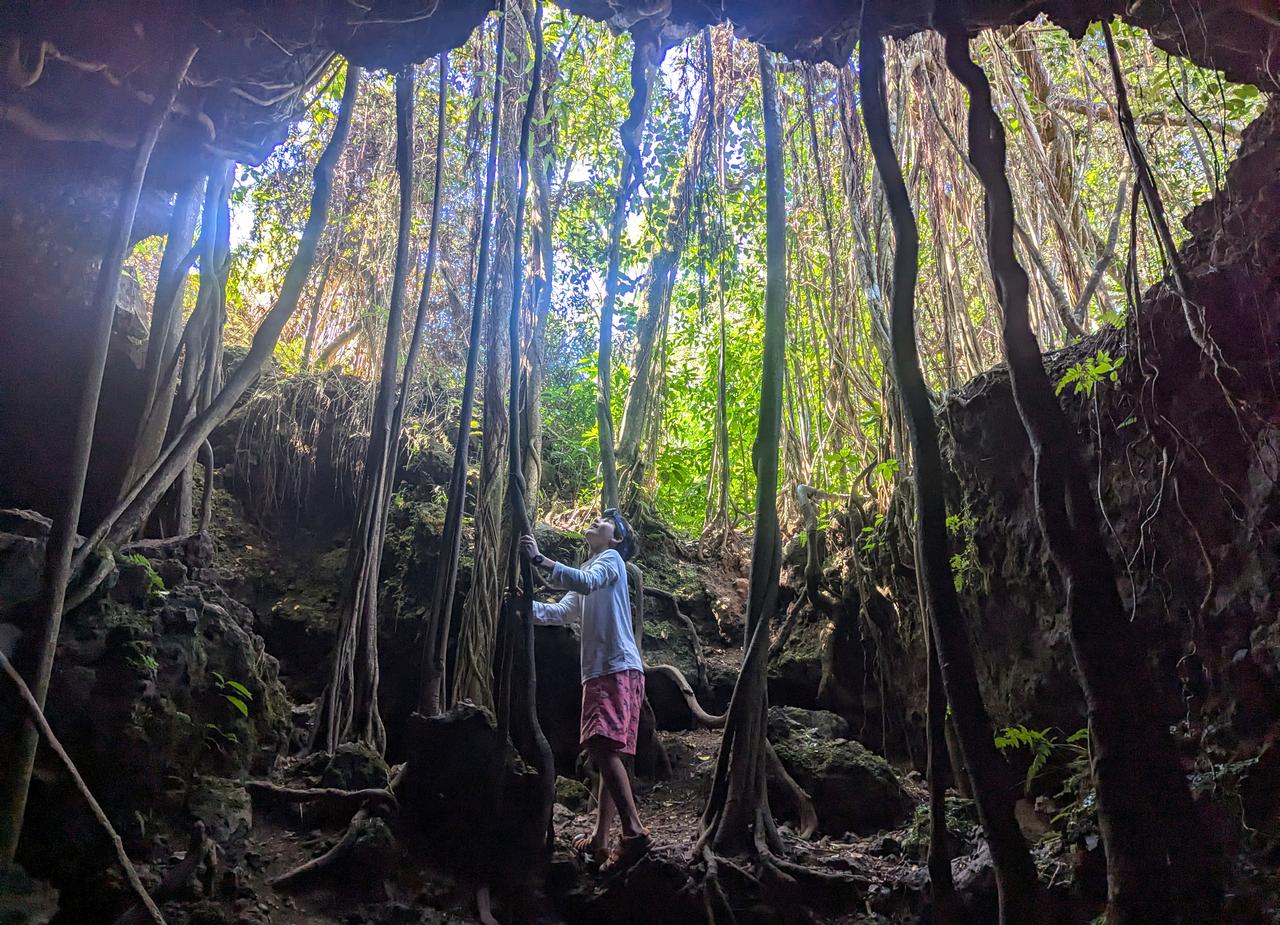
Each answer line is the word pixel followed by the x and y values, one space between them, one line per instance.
pixel 1071 182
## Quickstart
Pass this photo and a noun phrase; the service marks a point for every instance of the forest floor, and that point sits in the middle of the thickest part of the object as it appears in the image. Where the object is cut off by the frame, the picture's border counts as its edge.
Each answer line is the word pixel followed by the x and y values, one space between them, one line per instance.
pixel 880 875
pixel 413 892
pixel 874 876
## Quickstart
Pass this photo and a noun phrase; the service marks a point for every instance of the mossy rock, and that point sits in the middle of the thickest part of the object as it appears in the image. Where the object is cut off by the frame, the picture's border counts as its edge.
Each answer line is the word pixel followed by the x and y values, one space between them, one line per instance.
pixel 962 827
pixel 668 643
pixel 823 723
pixel 853 789
pixel 573 794
pixel 356 766
pixel 223 806
pixel 795 667
pixel 567 546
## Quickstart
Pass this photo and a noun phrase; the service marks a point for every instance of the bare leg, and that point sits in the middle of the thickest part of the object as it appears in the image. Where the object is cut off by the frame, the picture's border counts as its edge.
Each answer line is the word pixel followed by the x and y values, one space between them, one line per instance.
pixel 484 907
pixel 614 779
pixel 606 813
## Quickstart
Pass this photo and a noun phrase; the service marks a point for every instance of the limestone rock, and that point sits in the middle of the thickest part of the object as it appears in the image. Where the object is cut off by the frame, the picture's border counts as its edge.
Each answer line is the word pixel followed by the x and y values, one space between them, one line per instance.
pixel 223 806
pixel 573 794
pixel 852 788
pixel 823 723
pixel 356 766
pixel 23 900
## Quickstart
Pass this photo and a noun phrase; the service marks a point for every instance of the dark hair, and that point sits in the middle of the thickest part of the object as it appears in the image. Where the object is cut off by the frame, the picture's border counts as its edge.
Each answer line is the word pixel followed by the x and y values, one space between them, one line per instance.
pixel 622 534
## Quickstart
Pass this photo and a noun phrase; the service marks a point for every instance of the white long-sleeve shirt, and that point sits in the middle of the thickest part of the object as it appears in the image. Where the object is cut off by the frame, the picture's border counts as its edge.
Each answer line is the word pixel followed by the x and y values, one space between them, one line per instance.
pixel 599 598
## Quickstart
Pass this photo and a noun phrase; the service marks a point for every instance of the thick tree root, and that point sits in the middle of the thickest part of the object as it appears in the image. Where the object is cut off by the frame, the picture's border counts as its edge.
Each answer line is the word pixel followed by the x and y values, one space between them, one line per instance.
pixel 779 882
pixel 327 860
pixel 374 799
pixel 700 716
pixel 803 803
pixel 331 796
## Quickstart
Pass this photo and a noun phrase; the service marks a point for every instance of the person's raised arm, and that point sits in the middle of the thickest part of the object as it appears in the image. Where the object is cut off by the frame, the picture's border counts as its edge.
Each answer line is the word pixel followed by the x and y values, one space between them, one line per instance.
pixel 566 610
pixel 604 571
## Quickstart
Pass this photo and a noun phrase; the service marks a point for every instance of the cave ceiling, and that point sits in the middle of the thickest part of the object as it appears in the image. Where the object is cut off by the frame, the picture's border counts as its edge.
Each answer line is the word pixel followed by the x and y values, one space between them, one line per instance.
pixel 78 75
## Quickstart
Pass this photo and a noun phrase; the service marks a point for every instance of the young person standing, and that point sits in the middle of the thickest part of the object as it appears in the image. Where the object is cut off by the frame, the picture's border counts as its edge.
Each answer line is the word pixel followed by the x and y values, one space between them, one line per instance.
pixel 597 596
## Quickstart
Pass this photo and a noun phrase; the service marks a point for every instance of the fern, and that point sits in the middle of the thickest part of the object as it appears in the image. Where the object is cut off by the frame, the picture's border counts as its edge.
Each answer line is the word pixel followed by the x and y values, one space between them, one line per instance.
pixel 1038 741
pixel 1087 376
pixel 1044 746
pixel 155 584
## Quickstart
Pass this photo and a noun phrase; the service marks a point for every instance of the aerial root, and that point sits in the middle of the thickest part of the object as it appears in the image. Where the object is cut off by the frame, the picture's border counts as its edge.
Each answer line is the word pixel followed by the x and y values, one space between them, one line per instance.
pixel 700 715
pixel 714 900
pixel 808 815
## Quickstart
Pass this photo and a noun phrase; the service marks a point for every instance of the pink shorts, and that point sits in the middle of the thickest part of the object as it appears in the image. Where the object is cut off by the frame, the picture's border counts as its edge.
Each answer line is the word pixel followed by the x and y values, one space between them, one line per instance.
pixel 611 709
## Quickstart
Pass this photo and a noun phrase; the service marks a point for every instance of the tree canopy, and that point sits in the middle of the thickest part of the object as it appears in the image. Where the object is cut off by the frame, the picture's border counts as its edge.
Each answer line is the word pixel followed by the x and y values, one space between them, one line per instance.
pixel 1068 169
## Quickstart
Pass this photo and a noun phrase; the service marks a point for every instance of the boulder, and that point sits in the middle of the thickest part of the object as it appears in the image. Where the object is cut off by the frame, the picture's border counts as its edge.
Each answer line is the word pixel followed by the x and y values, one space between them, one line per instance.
pixel 573 794
pixel 22 538
pixel 133 690
pixel 559 691
pixel 852 788
pixel 23 900
pixel 962 827
pixel 356 766
pixel 795 662
pixel 823 723
pixel 223 806
pixel 468 798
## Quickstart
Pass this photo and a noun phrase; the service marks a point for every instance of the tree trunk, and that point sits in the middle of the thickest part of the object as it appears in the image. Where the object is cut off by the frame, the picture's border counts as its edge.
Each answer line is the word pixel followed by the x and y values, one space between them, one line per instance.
pixel 348 710
pixel 166 323
pixel 530 730
pixel 202 363
pixel 478 633
pixel 993 782
pixel 737 818
pixel 543 288
pixel 313 317
pixel 440 616
pixel 428 276
pixel 1157 868
pixel 141 498
pixel 644 63
pixel 62 538
pixel 662 276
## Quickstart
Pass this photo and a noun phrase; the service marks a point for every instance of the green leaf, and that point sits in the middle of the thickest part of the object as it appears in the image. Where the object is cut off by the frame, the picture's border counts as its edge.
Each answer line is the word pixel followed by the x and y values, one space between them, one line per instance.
pixel 241 689
pixel 238 704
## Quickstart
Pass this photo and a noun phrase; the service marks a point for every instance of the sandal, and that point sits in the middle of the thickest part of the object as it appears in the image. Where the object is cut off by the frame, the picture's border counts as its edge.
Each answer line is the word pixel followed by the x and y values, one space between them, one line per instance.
pixel 594 859
pixel 630 849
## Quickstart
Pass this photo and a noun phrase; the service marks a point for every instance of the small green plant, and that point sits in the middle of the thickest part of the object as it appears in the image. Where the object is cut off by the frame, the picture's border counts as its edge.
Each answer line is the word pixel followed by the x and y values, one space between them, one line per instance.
pixel 1087 376
pixel 887 470
pixel 964 564
pixel 1045 746
pixel 869 539
pixel 142 659
pixel 155 584
pixel 234 693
